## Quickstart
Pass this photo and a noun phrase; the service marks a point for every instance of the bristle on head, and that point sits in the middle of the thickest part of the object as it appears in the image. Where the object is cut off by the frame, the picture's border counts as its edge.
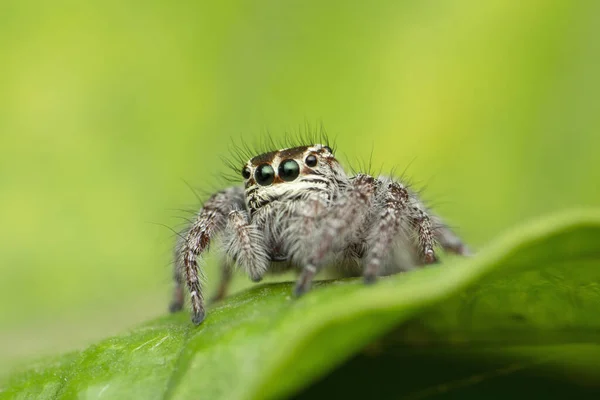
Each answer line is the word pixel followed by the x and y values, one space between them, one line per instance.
pixel 268 146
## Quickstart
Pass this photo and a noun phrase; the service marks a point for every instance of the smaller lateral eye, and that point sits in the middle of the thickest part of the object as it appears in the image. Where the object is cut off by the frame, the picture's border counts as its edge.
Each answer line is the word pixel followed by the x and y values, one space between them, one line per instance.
pixel 311 160
pixel 328 149
pixel 246 172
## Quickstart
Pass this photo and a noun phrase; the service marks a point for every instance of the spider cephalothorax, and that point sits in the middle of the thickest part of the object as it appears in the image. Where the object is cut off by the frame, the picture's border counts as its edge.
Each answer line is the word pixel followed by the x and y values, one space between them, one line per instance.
pixel 298 209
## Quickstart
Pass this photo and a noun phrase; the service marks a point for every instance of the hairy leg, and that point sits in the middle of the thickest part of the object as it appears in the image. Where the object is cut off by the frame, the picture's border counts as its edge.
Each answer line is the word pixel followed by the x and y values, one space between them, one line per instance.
pixel 448 239
pixel 443 235
pixel 399 209
pixel 209 221
pixel 393 203
pixel 425 234
pixel 177 299
pixel 244 243
pixel 344 216
pixel 226 275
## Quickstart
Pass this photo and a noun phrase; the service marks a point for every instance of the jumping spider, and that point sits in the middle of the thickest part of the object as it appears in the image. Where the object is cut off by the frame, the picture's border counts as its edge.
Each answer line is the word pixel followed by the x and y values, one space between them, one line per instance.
pixel 299 210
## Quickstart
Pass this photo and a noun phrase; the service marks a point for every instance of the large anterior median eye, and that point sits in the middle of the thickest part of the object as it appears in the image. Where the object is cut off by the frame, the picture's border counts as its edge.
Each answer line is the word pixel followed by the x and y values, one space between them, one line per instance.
pixel 264 175
pixel 289 170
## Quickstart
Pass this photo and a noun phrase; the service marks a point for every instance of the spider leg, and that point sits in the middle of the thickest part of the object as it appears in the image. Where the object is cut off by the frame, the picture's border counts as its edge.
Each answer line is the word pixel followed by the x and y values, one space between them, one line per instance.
pixel 425 234
pixel 210 220
pixel 432 230
pixel 177 297
pixel 304 282
pixel 385 228
pixel 401 209
pixel 449 240
pixel 400 205
pixel 226 275
pixel 244 243
pixel 442 233
pixel 340 221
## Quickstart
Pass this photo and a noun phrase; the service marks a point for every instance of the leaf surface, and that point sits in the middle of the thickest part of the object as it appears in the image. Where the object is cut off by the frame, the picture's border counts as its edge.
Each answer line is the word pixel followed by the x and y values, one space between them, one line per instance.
pixel 537 285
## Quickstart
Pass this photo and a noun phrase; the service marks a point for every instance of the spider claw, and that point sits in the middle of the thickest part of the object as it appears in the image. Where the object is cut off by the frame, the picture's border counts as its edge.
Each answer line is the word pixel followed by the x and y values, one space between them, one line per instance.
pixel 463 250
pixel 302 286
pixel 430 257
pixel 304 282
pixel 299 290
pixel 175 306
pixel 177 300
pixel 198 317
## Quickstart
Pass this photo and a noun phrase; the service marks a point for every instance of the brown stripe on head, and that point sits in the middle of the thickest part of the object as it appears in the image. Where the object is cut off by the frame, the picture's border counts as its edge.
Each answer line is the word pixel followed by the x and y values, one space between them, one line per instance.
pixel 294 152
pixel 265 158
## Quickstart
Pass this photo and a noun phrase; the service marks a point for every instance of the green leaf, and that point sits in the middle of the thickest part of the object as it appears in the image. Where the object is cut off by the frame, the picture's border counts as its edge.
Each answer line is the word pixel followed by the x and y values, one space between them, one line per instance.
pixel 537 285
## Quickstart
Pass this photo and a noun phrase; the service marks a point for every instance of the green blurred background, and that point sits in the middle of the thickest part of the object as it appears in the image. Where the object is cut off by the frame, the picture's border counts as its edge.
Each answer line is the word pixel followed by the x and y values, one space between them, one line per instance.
pixel 107 107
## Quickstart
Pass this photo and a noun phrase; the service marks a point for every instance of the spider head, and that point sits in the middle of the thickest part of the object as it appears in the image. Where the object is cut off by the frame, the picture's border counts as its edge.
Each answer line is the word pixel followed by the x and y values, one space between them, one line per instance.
pixel 291 174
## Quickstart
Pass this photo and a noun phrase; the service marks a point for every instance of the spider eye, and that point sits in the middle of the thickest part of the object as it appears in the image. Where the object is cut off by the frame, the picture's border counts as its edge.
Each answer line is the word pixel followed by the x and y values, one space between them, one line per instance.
pixel 311 160
pixel 328 149
pixel 289 170
pixel 246 172
pixel 264 175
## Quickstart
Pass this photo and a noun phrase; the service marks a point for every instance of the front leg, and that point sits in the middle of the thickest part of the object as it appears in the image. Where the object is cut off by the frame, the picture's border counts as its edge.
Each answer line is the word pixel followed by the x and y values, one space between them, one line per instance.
pixel 210 220
pixel 342 218
pixel 245 244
